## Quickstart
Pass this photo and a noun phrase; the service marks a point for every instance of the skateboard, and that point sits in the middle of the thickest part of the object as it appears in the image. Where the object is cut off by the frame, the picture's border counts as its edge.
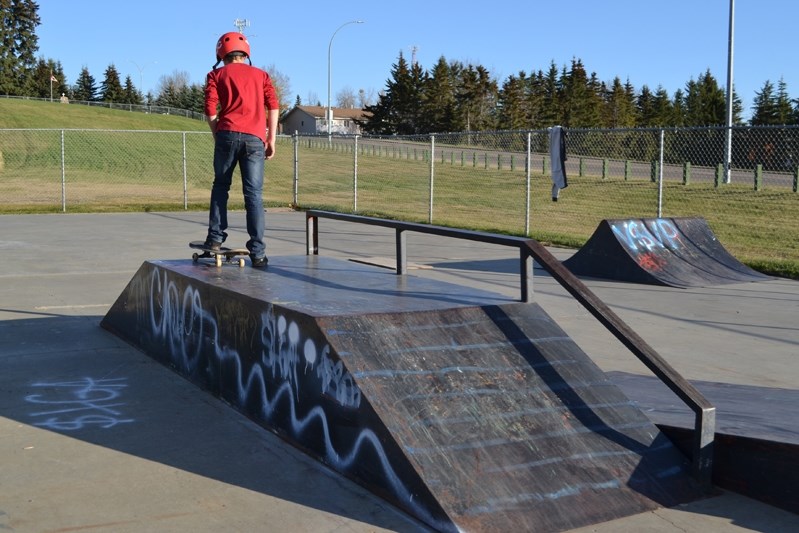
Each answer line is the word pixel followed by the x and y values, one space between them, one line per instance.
pixel 229 254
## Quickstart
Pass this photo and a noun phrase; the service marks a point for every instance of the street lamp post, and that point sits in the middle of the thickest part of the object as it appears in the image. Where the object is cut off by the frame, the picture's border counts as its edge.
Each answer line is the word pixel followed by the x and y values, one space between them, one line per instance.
pixel 141 74
pixel 730 49
pixel 329 117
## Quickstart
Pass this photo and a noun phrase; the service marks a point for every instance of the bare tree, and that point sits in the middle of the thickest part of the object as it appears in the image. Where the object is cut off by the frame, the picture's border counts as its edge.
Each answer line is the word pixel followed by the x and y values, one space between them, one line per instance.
pixel 346 98
pixel 313 99
pixel 366 98
pixel 173 83
pixel 282 85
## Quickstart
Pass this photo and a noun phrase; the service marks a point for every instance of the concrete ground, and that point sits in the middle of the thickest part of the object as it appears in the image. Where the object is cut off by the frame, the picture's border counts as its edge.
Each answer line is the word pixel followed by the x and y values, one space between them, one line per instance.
pixel 96 436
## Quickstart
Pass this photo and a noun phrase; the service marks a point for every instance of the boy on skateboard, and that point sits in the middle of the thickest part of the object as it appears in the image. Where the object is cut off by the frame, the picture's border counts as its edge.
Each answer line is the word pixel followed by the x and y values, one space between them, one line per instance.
pixel 242 108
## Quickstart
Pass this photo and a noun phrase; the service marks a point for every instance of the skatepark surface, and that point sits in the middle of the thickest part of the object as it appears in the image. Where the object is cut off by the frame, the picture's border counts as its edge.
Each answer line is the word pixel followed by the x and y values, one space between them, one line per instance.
pixel 128 445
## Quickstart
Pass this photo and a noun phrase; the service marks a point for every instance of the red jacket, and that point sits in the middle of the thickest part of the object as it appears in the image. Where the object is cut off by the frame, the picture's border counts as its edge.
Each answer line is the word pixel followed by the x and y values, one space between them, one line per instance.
pixel 239 95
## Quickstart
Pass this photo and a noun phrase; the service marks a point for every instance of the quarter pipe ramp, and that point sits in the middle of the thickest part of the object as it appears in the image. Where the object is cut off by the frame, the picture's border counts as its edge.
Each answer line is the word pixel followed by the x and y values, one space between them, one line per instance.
pixel 678 252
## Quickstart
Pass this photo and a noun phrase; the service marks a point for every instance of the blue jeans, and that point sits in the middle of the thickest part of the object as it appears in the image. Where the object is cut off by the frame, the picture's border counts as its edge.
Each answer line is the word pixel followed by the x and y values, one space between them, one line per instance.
pixel 247 151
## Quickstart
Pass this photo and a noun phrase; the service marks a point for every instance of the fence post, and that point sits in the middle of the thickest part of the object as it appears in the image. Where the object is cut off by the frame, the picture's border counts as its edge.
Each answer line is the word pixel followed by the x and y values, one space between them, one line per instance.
pixel 758 176
pixel 660 173
pixel 686 173
pixel 355 176
pixel 296 138
pixel 796 179
pixel 653 172
pixel 63 176
pixel 628 165
pixel 432 174
pixel 719 175
pixel 528 167
pixel 605 169
pixel 185 177
pixel 582 167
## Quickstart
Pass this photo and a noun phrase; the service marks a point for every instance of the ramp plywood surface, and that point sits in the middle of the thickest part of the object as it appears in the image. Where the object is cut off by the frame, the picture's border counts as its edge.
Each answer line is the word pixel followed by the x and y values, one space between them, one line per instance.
pixel 506 420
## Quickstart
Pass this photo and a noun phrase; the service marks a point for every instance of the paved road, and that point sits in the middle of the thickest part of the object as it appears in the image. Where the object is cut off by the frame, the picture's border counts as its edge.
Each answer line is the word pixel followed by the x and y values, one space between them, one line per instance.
pixel 98 437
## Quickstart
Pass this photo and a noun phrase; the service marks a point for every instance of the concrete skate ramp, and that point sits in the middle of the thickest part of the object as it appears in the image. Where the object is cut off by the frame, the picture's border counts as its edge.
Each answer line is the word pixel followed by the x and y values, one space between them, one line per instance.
pixel 679 252
pixel 467 410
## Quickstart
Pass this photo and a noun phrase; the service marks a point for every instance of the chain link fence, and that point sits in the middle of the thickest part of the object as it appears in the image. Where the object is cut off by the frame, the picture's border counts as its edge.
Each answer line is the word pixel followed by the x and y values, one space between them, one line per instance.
pixel 496 181
pixel 149 109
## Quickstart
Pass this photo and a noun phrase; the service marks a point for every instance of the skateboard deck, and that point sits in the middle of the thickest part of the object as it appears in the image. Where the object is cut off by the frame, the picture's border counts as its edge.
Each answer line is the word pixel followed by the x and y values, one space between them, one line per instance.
pixel 228 254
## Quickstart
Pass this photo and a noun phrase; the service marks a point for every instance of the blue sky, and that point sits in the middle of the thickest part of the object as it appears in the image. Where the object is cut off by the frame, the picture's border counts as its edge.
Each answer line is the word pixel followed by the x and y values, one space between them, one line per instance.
pixel 648 43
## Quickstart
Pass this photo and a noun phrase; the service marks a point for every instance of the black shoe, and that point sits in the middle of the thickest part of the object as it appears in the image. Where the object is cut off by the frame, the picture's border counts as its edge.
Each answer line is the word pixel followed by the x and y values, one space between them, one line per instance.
pixel 260 262
pixel 213 246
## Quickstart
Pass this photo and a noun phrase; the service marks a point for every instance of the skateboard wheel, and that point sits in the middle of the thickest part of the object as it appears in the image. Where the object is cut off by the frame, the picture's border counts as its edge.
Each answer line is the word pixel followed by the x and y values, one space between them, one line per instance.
pixel 241 262
pixel 195 257
pixel 218 260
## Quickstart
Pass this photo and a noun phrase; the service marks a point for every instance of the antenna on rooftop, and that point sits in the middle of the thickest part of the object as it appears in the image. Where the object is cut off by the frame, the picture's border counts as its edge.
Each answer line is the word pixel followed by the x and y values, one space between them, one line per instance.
pixel 241 24
pixel 414 49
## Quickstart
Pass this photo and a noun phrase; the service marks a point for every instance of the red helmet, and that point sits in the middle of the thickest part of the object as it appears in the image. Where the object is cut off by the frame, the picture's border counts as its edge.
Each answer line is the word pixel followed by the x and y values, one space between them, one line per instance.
pixel 232 42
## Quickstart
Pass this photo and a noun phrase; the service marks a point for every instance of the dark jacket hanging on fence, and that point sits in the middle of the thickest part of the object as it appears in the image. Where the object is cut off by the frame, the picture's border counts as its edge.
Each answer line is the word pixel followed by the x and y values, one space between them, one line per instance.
pixel 557 155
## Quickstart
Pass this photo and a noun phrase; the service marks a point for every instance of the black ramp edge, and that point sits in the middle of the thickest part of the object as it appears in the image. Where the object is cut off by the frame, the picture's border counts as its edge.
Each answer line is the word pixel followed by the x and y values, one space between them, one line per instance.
pixel 467 410
pixel 756 447
pixel 678 252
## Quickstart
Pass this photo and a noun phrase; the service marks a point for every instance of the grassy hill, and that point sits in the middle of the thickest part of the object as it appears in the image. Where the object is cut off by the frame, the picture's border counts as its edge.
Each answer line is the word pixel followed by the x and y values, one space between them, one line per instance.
pixel 15 113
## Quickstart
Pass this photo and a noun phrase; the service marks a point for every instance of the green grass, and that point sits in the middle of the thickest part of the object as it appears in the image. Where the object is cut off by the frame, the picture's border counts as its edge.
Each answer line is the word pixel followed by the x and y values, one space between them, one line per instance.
pixel 16 113
pixel 112 171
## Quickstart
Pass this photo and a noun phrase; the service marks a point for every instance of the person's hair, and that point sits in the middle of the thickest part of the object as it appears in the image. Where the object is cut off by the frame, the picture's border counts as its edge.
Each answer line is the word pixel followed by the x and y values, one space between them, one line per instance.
pixel 231 55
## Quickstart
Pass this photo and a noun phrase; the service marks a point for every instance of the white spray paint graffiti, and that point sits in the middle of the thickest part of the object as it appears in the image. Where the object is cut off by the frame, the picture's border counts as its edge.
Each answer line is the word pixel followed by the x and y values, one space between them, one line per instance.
pixel 336 381
pixel 281 340
pixel 639 236
pixel 73 405
pixel 181 323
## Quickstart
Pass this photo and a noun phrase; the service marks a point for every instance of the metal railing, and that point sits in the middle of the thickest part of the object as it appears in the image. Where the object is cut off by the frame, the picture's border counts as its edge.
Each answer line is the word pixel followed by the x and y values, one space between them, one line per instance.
pixel 529 249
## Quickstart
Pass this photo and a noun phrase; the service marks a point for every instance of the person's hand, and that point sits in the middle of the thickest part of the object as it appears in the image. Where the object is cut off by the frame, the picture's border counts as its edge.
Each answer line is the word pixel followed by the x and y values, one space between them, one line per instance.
pixel 269 151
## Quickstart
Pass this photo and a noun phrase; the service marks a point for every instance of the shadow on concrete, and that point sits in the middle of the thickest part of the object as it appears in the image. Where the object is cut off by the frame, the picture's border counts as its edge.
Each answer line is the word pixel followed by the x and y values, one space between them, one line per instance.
pixel 67 375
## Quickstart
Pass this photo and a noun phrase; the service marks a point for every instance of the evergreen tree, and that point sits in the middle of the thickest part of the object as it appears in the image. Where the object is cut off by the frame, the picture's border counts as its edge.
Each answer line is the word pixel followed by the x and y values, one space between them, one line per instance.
pixel 111 88
pixel 85 89
pixel 536 101
pixel 678 108
pixel 398 108
pixel 765 111
pixel 784 109
pixel 193 98
pixel 706 104
pixel 379 120
pixel 476 99
pixel 512 103
pixel 592 117
pixel 18 45
pixel 553 98
pixel 620 106
pixel 645 108
pixel 132 95
pixel 438 100
pixel 662 108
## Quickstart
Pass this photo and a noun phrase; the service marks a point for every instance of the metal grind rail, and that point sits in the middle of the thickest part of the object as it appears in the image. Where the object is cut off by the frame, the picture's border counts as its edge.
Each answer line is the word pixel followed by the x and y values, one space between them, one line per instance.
pixel 529 250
